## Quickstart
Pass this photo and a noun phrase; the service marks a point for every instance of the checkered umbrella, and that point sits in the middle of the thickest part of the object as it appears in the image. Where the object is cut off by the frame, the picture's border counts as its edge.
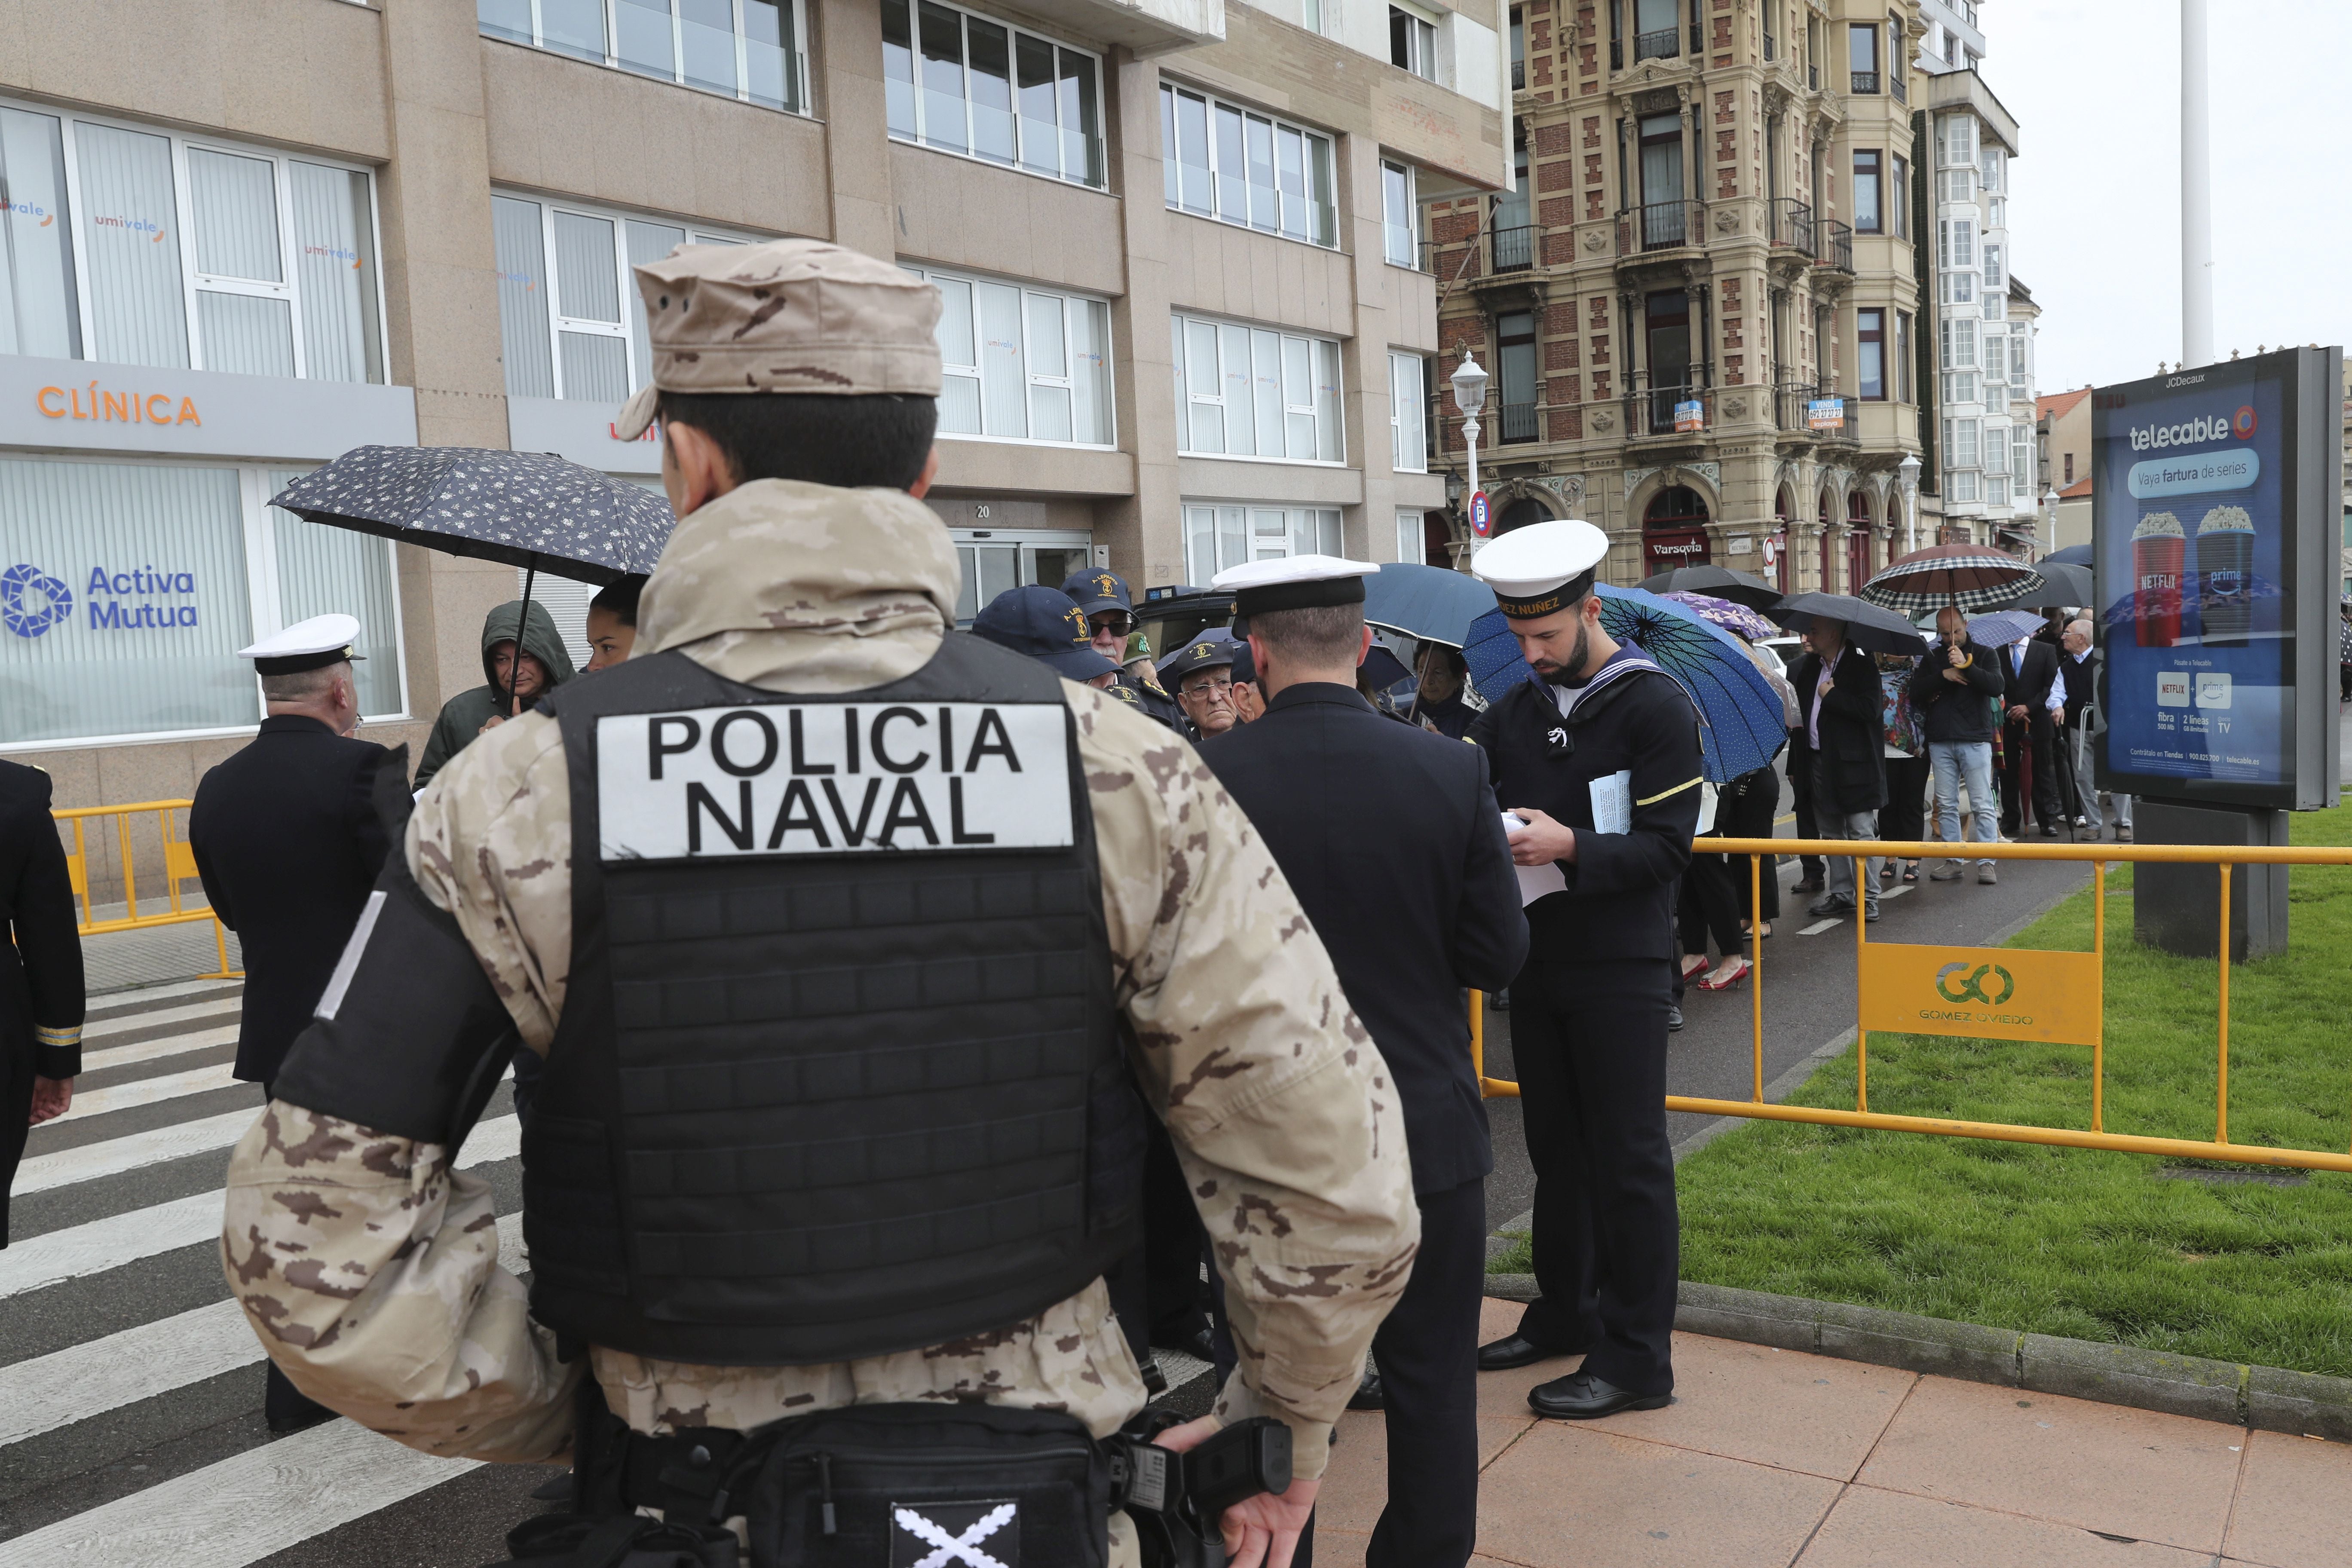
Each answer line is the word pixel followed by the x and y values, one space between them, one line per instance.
pixel 1968 577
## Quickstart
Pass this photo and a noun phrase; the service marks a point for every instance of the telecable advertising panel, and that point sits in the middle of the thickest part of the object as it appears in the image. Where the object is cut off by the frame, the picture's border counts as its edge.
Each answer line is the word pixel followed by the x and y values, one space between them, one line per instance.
pixel 2215 514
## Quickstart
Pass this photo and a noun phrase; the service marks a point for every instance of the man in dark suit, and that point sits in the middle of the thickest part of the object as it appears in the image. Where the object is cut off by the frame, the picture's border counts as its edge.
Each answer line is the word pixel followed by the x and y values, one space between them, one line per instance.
pixel 2032 696
pixel 1839 698
pixel 40 971
pixel 289 836
pixel 1391 838
pixel 2078 789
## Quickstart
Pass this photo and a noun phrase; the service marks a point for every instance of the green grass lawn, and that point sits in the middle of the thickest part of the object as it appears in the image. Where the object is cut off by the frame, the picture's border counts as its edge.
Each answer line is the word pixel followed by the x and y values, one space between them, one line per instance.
pixel 2133 1249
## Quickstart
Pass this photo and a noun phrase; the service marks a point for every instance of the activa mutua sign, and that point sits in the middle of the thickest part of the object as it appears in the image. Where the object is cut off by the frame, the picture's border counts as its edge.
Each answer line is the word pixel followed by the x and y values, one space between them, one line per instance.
pixel 33 602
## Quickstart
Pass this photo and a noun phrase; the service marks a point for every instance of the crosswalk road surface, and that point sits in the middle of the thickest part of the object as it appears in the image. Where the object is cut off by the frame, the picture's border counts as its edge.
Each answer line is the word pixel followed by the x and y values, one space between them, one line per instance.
pixel 130 1426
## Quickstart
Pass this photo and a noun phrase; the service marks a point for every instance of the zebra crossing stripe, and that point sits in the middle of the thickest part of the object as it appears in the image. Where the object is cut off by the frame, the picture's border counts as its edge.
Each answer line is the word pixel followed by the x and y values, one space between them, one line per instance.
pixel 116 1156
pixel 224 1008
pixel 125 1004
pixel 152 1050
pixel 149 1090
pixel 243 1508
pixel 103 1243
pixel 89 1379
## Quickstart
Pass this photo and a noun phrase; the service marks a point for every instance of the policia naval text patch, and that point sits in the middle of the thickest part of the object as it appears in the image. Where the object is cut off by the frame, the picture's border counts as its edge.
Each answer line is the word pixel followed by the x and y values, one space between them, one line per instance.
pixel 831 777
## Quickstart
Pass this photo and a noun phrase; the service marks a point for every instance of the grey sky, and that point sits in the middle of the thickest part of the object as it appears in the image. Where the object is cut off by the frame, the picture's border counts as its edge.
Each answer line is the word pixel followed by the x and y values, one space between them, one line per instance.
pixel 2095 210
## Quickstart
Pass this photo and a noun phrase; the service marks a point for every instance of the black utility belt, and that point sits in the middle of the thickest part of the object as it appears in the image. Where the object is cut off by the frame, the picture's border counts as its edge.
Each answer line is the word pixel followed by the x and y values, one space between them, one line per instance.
pixel 890 1486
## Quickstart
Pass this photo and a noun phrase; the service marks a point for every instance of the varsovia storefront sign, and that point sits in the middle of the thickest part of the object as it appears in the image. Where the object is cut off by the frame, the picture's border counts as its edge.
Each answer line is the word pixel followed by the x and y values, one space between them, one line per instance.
pixel 1990 993
pixel 77 406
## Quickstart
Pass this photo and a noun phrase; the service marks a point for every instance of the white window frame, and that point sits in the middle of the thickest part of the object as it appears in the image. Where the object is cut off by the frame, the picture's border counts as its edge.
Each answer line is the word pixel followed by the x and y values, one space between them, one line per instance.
pixel 1957 129
pixel 1330 523
pixel 1412 535
pixel 1996 488
pixel 1031 296
pixel 612 61
pixel 2020 457
pixel 922 98
pixel 1960 287
pixel 1188 394
pixel 1954 428
pixel 1993 278
pixel 1408 424
pixel 1956 242
pixel 620 218
pixel 1962 483
pixel 1411 222
pixel 261 586
pixel 183 213
pixel 1960 345
pixel 1992 168
pixel 1421 42
pixel 1170 91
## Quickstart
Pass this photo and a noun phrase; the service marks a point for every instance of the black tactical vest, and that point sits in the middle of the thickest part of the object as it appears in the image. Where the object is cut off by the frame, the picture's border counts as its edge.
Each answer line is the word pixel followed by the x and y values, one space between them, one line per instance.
pixel 839 1071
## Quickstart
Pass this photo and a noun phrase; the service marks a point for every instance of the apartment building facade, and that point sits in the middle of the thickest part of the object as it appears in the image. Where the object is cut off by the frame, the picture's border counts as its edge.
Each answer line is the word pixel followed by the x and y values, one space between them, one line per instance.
pixel 1701 304
pixel 1176 243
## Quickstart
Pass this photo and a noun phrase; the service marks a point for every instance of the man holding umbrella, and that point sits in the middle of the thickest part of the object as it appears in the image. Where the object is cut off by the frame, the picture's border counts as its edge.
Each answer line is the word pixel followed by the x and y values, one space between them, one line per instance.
pixel 1598 758
pixel 1839 698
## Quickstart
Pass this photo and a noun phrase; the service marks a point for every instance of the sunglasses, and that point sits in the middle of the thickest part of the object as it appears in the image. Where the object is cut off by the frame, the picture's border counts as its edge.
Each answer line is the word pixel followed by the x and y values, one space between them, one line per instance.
pixel 1118 621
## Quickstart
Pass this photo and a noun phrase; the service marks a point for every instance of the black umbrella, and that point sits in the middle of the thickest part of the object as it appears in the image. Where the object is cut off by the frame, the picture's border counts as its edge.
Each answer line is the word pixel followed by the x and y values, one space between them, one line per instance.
pixel 1867 626
pixel 1719 582
pixel 2067 586
pixel 2073 555
pixel 527 508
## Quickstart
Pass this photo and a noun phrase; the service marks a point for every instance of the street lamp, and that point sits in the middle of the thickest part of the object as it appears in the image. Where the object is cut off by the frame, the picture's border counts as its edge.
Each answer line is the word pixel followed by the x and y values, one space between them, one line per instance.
pixel 1910 472
pixel 1469 384
pixel 2050 511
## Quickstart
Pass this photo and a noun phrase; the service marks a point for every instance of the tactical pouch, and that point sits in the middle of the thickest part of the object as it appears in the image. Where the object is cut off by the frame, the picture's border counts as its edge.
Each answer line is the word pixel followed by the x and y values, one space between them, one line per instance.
pixel 890 1486
pixel 619 1541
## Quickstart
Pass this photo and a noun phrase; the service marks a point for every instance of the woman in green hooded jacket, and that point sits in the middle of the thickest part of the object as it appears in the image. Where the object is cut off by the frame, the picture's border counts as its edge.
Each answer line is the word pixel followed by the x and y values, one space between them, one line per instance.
pixel 544 665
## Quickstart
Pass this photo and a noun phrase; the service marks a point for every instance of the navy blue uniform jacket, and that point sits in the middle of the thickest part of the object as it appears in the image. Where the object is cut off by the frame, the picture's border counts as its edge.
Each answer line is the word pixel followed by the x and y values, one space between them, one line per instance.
pixel 1391 838
pixel 288 840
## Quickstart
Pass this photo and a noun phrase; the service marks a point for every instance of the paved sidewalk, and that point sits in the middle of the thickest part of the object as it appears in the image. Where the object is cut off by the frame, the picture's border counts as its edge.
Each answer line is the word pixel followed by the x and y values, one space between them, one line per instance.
pixel 1773 1458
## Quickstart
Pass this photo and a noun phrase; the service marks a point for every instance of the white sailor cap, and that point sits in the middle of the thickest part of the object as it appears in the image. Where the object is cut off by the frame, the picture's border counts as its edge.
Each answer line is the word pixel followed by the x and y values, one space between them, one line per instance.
pixel 313 643
pixel 1292 583
pixel 1543 567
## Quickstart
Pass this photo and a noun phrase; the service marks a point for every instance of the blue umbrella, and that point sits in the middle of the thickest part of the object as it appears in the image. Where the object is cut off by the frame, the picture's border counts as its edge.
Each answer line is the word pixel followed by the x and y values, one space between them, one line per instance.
pixel 1740 725
pixel 2003 627
pixel 1426 602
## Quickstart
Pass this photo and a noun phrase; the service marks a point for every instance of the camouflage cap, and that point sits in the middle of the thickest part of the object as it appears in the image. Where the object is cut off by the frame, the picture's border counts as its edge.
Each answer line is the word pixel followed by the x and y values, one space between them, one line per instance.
pixel 788 315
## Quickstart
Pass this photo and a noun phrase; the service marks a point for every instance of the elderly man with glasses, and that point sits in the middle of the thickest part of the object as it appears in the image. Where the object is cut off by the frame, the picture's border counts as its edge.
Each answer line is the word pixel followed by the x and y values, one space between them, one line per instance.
pixel 1201 671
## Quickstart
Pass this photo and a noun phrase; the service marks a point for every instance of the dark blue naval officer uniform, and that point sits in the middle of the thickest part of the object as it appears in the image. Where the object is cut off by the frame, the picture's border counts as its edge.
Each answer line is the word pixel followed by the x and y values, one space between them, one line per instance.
pixel 1393 842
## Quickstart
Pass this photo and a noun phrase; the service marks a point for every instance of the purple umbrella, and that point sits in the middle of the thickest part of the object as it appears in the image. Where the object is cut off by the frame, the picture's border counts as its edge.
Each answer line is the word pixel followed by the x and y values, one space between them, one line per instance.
pixel 1738 619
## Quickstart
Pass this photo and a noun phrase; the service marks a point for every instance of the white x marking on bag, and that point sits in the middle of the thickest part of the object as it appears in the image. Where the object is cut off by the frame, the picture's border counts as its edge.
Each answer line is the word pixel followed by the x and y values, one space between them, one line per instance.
pixel 964 1548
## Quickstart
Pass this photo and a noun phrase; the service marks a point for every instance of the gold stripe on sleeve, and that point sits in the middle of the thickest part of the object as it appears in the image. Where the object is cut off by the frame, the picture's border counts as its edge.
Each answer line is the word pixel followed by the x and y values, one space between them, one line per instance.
pixel 1662 794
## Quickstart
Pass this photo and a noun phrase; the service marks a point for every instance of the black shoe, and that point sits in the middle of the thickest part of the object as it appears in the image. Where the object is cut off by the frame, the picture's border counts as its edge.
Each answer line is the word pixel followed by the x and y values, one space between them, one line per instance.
pixel 2048 831
pixel 1835 904
pixel 287 1408
pixel 1200 1343
pixel 1586 1396
pixel 1155 1381
pixel 557 1490
pixel 1673 1018
pixel 1513 1351
pixel 1368 1393
pixel 1806 885
pixel 1870 915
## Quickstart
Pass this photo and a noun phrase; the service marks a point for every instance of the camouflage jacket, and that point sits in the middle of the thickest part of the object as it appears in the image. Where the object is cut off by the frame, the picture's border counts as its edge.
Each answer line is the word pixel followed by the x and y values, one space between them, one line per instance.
pixel 370 1268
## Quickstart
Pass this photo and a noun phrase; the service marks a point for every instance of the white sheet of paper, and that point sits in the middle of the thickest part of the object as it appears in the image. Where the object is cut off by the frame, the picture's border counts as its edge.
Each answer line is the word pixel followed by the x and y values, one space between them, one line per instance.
pixel 1535 881
pixel 1612 803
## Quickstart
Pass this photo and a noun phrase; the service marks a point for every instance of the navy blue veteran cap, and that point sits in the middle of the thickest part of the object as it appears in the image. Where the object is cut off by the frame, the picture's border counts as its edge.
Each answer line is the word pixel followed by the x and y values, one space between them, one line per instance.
pixel 1096 590
pixel 1046 624
pixel 1244 661
pixel 1213 650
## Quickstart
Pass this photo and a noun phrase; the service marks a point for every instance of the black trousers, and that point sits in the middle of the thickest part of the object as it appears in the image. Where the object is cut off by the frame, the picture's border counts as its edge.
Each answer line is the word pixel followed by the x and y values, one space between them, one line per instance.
pixel 2043 785
pixel 1746 810
pixel 1589 1041
pixel 15 1112
pixel 1707 906
pixel 1427 1350
pixel 1904 817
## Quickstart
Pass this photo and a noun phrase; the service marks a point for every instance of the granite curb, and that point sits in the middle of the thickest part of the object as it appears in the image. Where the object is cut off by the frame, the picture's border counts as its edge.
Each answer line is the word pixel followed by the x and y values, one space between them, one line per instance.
pixel 2265 1398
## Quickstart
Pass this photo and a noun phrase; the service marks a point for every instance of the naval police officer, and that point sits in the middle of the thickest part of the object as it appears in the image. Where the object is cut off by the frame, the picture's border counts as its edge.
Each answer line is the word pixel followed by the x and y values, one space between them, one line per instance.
pixel 834 1145
pixel 1598 756
pixel 288 835
pixel 1391 838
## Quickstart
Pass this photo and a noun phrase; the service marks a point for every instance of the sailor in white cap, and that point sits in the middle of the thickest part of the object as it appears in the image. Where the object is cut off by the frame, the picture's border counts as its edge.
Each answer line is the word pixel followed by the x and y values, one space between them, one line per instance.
pixel 289 836
pixel 1392 840
pixel 1598 756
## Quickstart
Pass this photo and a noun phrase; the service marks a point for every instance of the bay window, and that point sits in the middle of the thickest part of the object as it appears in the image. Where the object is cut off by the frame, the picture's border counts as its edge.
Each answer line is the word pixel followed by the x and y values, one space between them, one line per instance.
pixel 1239 166
pixel 127 245
pixel 136 583
pixel 1870 356
pixel 571 322
pixel 1898 194
pixel 959 82
pixel 1021 363
pixel 1222 534
pixel 750 50
pixel 1868 208
pixel 1903 391
pixel 1408 398
pixel 1255 392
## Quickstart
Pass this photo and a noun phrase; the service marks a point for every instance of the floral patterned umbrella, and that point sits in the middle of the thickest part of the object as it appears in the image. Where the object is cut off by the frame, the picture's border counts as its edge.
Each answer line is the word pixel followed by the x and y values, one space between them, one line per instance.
pixel 531 510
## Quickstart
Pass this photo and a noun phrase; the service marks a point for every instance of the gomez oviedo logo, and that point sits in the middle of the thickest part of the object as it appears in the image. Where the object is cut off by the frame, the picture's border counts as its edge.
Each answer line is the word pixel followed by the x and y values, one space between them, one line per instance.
pixel 145 598
pixel 1982 989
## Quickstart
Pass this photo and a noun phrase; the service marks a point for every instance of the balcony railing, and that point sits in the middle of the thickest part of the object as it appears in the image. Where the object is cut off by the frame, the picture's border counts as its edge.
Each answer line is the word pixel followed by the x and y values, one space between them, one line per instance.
pixel 1666 409
pixel 1514 249
pixel 1792 224
pixel 1791 407
pixel 1662 45
pixel 1894 86
pixel 1837 245
pixel 1517 423
pixel 1660 225
pixel 1865 81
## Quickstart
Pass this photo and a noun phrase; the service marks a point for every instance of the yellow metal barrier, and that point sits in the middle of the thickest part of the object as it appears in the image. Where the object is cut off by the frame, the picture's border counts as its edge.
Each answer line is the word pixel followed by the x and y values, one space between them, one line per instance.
pixel 179 866
pixel 2069 988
